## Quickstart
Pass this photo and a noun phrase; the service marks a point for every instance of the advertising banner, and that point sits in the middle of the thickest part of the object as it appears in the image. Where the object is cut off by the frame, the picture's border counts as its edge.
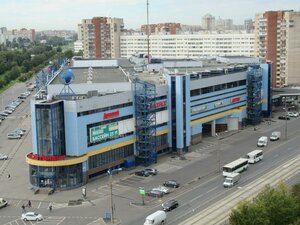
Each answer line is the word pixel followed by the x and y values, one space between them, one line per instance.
pixel 103 132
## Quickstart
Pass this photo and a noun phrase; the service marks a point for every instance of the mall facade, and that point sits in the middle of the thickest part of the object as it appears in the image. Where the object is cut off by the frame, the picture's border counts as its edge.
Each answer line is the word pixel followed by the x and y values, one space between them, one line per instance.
pixel 123 121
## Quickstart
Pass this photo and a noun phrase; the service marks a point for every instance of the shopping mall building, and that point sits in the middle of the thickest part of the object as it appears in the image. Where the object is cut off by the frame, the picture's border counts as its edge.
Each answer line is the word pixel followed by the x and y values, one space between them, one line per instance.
pixel 112 116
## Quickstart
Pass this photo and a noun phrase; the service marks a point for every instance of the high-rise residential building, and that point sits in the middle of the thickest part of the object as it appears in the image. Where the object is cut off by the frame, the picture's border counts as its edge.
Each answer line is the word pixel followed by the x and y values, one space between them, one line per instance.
pixel 248 25
pixel 208 22
pixel 10 35
pixel 277 39
pixel 191 46
pixel 101 37
pixel 171 28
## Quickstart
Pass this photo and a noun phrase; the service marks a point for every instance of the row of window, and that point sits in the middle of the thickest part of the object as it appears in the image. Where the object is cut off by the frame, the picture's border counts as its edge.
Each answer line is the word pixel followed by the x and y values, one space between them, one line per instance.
pixel 217 87
pixel 111 156
pixel 104 109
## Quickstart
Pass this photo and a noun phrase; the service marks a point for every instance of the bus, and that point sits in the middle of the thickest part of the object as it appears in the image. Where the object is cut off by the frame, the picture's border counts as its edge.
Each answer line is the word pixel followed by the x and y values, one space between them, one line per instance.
pixel 236 166
pixel 255 156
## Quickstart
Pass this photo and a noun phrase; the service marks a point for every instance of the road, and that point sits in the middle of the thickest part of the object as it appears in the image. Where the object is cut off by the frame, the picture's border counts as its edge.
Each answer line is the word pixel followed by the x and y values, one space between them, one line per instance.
pixel 201 183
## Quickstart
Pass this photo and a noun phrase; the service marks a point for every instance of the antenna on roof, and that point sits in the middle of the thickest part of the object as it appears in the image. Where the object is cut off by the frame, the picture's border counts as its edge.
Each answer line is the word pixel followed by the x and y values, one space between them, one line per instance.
pixel 148 32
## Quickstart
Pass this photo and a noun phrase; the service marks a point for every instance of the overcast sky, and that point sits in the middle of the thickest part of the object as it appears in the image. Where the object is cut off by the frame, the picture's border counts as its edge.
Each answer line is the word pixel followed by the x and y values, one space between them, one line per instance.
pixel 66 14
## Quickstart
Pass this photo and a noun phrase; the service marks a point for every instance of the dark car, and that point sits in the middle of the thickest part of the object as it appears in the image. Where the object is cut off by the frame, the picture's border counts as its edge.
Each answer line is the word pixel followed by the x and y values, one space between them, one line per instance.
pixel 151 171
pixel 171 183
pixel 283 117
pixel 155 193
pixel 169 205
pixel 142 173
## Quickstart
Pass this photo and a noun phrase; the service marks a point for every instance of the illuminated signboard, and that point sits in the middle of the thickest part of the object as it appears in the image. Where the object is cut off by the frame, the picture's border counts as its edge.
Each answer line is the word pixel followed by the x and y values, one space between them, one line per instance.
pixel 236 99
pixel 111 115
pixel 198 109
pixel 219 104
pixel 159 104
pixel 103 132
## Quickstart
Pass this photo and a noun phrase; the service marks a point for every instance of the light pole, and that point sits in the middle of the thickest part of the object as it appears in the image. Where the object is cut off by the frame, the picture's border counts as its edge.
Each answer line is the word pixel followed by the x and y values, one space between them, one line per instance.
pixel 110 173
pixel 285 109
pixel 218 152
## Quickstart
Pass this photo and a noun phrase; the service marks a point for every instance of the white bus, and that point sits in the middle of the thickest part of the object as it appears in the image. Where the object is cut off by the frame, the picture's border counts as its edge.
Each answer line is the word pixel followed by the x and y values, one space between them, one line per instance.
pixel 255 156
pixel 236 166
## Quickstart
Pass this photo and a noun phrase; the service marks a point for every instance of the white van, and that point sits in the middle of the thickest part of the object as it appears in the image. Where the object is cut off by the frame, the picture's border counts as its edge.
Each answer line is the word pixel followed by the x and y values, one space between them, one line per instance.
pixel 157 218
pixel 262 141
pixel 255 156
pixel 231 180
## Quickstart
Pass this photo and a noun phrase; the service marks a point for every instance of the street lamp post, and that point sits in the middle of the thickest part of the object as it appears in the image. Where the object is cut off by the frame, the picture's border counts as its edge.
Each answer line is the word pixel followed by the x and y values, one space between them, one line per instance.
pixel 218 152
pixel 110 173
pixel 285 109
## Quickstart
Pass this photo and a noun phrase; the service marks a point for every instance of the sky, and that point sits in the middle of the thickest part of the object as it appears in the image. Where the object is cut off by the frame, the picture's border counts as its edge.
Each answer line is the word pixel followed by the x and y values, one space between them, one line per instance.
pixel 66 14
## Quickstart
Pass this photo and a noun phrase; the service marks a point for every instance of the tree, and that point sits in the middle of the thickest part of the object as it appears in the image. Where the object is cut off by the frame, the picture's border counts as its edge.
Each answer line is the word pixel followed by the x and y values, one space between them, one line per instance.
pixel 68 54
pixel 279 204
pixel 248 213
pixel 296 193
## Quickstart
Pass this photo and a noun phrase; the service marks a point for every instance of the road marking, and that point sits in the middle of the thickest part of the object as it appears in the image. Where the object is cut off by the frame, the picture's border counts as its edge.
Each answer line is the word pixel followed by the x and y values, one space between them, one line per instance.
pixel 39 205
pixel 211 190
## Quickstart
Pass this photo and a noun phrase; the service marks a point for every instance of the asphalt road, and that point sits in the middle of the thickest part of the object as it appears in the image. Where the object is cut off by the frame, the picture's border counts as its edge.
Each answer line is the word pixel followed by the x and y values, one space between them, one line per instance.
pixel 201 183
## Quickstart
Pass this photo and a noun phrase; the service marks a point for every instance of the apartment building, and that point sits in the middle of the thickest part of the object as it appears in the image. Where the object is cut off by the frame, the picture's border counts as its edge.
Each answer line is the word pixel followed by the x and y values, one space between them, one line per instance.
pixel 171 28
pixel 100 37
pixel 10 35
pixel 189 45
pixel 277 39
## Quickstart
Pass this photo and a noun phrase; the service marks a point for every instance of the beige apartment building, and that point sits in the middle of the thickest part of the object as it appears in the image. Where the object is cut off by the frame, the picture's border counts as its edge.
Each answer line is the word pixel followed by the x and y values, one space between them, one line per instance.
pixel 277 39
pixel 100 37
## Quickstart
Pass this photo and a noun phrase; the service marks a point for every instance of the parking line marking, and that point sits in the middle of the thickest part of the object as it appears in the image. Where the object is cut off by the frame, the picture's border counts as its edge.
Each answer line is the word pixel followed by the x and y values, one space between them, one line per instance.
pixel 39 205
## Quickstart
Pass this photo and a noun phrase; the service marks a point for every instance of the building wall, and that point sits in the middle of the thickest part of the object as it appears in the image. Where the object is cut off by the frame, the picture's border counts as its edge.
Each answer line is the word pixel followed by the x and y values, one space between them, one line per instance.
pixel 189 45
pixel 277 40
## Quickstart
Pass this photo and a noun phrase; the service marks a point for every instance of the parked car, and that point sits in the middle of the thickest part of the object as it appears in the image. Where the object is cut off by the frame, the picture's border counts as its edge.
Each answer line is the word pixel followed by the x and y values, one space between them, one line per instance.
pixel 3 157
pixel 293 114
pixel 8 111
pixel 171 183
pixel 169 205
pixel 3 114
pixel 155 193
pixel 3 203
pixel 142 173
pixel 31 216
pixel 283 117
pixel 13 136
pixel 19 131
pixel 2 117
pixel 151 171
pixel 163 189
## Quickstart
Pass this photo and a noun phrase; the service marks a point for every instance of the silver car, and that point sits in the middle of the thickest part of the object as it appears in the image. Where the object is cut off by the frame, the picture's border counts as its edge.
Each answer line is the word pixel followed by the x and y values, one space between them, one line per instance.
pixel 13 136
pixel 3 157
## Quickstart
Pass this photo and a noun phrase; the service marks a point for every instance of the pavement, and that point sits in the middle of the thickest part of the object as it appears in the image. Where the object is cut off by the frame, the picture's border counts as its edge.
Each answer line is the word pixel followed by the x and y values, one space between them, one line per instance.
pixel 18 188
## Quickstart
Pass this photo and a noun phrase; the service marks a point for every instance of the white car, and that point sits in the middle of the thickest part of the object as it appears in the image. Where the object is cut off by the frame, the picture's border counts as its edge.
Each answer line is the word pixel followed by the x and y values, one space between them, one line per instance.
pixel 293 114
pixel 19 131
pixel 163 189
pixel 31 216
pixel 3 157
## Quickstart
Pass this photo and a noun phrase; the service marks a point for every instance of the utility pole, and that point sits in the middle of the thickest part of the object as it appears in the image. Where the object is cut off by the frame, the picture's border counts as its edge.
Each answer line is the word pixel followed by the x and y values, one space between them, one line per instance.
pixel 148 32
pixel 110 173
pixel 285 129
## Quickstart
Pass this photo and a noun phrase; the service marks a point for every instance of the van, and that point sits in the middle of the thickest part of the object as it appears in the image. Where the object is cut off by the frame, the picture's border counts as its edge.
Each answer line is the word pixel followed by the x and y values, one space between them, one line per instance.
pixel 275 135
pixel 255 156
pixel 157 218
pixel 262 141
pixel 231 180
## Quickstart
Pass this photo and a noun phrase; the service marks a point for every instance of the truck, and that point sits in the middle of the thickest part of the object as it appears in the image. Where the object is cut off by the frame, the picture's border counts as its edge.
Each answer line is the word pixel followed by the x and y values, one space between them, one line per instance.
pixel 275 136
pixel 262 141
pixel 157 218
pixel 231 179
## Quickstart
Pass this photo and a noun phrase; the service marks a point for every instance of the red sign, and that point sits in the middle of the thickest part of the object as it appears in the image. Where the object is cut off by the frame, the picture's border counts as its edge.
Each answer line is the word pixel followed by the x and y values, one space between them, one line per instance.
pixel 159 104
pixel 111 115
pixel 236 99
pixel 47 158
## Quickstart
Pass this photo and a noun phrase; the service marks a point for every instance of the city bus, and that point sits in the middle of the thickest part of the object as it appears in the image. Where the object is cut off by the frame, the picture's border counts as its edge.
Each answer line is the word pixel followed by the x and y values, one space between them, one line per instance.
pixel 236 166
pixel 255 156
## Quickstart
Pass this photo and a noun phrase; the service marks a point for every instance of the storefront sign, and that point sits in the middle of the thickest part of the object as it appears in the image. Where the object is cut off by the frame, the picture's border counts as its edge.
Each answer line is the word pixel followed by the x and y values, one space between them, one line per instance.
pixel 111 115
pixel 236 99
pixel 159 104
pixel 198 109
pixel 103 132
pixel 219 104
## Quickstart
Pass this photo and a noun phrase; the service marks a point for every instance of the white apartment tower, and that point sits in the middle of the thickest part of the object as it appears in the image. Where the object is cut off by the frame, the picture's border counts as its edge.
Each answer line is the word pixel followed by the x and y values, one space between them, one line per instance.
pixel 101 37
pixel 277 39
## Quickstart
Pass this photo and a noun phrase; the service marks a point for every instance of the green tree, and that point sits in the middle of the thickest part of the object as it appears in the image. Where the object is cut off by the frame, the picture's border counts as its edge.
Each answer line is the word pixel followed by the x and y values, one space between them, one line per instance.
pixel 279 204
pixel 68 54
pixel 248 213
pixel 296 193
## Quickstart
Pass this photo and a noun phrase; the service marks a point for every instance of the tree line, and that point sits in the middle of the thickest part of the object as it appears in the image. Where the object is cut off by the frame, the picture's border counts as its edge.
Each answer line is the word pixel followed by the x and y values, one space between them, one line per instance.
pixel 273 206
pixel 21 61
